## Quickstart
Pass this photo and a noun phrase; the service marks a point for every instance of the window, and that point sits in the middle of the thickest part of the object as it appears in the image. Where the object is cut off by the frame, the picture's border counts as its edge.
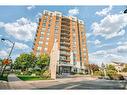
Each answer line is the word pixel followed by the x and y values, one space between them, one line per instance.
pixel 48 34
pixel 44 25
pixel 47 38
pixel 45 49
pixel 46 43
pixel 44 21
pixel 56 27
pixel 41 37
pixel 57 22
pixel 40 42
pixel 57 18
pixel 48 30
pixel 43 29
pixel 42 33
pixel 50 21
pixel 73 30
pixel 49 25
pixel 39 48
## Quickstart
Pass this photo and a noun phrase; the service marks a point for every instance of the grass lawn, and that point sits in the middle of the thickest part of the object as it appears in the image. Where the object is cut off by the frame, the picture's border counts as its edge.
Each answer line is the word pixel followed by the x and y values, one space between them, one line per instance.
pixel 4 78
pixel 28 78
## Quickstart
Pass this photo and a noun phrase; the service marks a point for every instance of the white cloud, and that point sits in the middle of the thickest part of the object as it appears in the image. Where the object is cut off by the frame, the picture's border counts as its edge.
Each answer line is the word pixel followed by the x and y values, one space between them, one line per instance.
pixel 88 35
pixel 111 26
pixel 122 43
pixel 23 29
pixel 104 11
pixel 108 55
pixel 3 54
pixel 30 7
pixel 97 42
pixel 73 12
pixel 18 45
pixel 1 24
pixel 21 46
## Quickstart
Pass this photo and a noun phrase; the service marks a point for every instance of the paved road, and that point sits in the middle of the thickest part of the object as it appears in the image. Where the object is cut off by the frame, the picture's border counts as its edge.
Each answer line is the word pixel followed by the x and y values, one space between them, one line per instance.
pixel 65 83
pixel 91 84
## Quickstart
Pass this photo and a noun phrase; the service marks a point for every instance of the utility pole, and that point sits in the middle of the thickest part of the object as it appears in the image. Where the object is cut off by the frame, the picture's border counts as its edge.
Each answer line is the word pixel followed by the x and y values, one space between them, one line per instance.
pixel 13 44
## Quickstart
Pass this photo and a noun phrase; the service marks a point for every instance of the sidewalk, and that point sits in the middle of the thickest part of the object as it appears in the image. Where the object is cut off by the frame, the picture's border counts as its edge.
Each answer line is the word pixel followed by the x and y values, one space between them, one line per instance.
pixel 47 83
pixel 4 85
pixel 16 83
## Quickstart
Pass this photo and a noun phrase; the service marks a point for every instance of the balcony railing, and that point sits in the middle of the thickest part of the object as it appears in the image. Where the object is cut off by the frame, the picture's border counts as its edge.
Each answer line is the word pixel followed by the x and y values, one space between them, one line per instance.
pixel 65 53
pixel 64 39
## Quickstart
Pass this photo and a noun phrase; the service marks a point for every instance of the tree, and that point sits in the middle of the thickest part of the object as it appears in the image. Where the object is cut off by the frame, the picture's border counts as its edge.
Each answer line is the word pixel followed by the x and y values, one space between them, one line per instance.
pixel 1 64
pixel 111 70
pixel 111 67
pixel 125 68
pixel 25 61
pixel 93 68
pixel 1 61
pixel 43 61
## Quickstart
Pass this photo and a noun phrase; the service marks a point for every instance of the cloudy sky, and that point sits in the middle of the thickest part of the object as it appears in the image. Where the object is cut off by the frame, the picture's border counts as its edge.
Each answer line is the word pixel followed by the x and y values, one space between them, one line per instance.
pixel 106 28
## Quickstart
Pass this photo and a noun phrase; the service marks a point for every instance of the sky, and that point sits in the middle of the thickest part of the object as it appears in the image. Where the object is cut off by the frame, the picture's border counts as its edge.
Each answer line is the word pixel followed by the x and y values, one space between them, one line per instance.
pixel 106 28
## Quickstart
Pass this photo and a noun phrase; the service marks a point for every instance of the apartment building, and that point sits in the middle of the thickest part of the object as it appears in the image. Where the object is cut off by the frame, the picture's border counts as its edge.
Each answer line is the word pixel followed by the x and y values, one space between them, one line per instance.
pixel 70 36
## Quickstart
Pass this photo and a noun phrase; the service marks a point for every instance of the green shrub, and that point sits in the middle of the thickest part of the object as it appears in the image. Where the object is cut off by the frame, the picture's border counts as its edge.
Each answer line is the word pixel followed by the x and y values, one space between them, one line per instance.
pixel 98 73
pixel 114 76
pixel 111 72
pixel 120 77
pixel 46 74
pixel 81 73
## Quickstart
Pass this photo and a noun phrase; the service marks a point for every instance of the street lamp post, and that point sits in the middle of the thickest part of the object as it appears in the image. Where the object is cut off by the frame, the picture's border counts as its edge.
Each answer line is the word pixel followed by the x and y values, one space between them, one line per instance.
pixel 104 69
pixel 13 44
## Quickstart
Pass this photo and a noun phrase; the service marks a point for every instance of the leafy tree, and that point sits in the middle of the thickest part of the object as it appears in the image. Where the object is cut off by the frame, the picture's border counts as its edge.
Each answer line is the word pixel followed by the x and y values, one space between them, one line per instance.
pixel 111 67
pixel 92 68
pixel 25 61
pixel 1 61
pixel 43 61
pixel 125 68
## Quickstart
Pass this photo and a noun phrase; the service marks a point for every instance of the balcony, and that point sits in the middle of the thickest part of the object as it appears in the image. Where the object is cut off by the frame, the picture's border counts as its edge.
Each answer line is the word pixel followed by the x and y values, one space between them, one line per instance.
pixel 66 19
pixel 64 58
pixel 64 53
pixel 65 34
pixel 65 23
pixel 64 48
pixel 65 30
pixel 65 27
pixel 65 44
pixel 64 39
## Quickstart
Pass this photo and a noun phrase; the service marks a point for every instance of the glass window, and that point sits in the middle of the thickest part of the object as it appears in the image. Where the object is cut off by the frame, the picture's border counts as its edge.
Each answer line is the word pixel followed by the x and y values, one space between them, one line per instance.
pixel 45 49
pixel 42 33
pixel 46 43
pixel 44 25
pixel 40 42
pixel 43 29
pixel 41 37
pixel 44 21
pixel 57 18
pixel 47 38
pixel 39 48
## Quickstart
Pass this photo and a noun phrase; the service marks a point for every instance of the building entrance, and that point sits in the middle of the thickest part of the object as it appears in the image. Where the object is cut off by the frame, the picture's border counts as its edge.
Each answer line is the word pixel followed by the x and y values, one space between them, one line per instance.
pixel 64 70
